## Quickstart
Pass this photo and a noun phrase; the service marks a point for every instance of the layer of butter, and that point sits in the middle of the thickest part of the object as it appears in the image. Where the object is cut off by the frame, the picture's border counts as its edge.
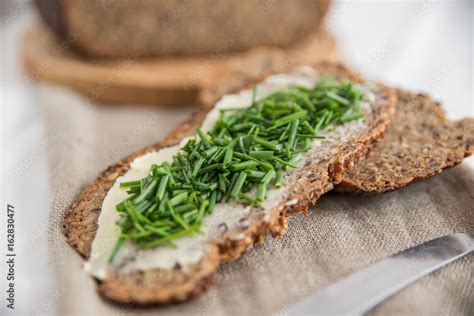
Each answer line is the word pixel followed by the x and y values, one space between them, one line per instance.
pixel 190 249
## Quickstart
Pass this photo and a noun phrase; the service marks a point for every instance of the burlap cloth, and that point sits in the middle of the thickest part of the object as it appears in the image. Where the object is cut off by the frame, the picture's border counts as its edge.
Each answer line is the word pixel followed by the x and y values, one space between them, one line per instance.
pixel 343 233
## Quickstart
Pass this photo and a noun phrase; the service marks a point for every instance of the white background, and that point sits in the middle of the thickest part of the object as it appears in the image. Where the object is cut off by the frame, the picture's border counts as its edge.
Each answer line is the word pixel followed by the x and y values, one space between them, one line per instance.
pixel 420 45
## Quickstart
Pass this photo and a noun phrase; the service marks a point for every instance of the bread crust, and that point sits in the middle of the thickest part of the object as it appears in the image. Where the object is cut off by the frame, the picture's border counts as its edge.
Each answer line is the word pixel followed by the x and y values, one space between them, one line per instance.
pixel 80 223
pixel 420 143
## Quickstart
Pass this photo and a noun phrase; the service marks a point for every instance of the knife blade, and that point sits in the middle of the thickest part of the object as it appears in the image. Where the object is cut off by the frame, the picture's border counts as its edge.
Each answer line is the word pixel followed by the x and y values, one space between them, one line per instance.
pixel 363 290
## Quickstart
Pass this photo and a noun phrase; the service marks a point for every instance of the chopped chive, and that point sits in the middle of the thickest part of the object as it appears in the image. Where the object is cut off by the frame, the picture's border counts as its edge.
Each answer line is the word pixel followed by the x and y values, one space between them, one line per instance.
pixel 162 187
pixel 268 177
pixel 262 154
pixel 222 184
pixel 130 210
pixel 189 215
pixel 210 168
pixel 204 139
pixel 184 208
pixel 288 150
pixel 128 184
pixel 242 145
pixel 228 156
pixel 202 209
pixel 255 174
pixel 209 152
pixel 279 179
pixel 191 197
pixel 254 94
pixel 286 163
pixel 178 199
pixel 238 185
pixel 320 122
pixel 338 98
pixel 244 165
pixel 159 231
pixel 198 166
pixel 265 143
pixel 146 192
pixel 212 202
pixel 293 131
pixel 142 183
pixel 151 209
pixel 116 248
pixel 291 117
pixel 297 157
pixel 293 161
pixel 262 191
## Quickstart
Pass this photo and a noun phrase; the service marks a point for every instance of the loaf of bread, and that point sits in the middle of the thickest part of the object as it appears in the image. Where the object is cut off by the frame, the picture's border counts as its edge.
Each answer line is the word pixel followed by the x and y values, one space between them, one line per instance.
pixel 121 28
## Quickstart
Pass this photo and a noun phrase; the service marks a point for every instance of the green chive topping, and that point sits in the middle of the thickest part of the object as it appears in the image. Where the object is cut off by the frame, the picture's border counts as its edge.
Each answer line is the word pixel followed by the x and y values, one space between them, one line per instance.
pixel 248 152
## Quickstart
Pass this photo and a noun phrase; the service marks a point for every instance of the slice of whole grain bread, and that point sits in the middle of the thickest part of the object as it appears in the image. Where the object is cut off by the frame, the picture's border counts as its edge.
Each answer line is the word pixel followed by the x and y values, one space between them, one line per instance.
pixel 467 127
pixel 306 184
pixel 420 143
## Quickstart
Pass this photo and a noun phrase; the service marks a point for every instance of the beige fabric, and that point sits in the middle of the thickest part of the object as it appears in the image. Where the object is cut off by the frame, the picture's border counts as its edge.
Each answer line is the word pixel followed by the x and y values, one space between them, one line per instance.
pixel 342 234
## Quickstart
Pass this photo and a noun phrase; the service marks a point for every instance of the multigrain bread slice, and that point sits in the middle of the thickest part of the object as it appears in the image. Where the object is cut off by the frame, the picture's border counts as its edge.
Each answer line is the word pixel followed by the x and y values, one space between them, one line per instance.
pixel 317 174
pixel 467 127
pixel 121 28
pixel 420 143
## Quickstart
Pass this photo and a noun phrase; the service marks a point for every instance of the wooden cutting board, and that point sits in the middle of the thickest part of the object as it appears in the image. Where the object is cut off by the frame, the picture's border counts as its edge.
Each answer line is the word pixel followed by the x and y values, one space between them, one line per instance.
pixel 157 81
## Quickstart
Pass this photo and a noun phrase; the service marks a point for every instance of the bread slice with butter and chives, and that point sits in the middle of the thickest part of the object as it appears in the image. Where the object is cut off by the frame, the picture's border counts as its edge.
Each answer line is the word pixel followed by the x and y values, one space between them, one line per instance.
pixel 165 274
pixel 419 143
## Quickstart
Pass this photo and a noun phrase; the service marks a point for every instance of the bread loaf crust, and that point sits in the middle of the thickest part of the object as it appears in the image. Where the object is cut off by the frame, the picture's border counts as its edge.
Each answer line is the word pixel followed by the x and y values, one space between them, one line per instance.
pixel 142 28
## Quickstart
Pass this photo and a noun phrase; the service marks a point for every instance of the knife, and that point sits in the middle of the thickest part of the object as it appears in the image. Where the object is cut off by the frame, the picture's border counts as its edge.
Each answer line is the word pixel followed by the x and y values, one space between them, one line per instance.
pixel 363 290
